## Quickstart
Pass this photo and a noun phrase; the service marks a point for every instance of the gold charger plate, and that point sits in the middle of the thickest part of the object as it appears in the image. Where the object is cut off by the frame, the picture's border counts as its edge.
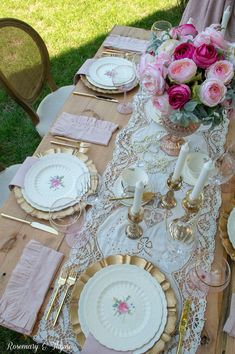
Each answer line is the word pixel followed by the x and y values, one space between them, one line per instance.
pixel 223 221
pixel 69 210
pixel 142 263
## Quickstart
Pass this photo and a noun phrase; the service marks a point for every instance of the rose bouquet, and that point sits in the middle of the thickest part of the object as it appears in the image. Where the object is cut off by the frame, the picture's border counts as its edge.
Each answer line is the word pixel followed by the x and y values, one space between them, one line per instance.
pixel 189 75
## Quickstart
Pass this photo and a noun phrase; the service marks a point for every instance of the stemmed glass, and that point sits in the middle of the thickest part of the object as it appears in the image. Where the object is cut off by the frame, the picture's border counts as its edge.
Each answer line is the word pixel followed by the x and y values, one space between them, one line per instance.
pixel 181 240
pixel 224 167
pixel 124 79
pixel 160 28
pixel 68 226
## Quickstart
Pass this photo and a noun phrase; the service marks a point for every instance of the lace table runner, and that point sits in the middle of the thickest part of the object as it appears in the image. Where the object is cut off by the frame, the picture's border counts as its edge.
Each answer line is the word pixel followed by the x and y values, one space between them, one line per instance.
pixel 103 234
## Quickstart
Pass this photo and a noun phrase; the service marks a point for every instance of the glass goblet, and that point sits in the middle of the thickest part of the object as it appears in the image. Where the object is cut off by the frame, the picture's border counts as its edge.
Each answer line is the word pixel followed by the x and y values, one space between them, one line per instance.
pixel 124 79
pixel 224 167
pixel 70 224
pixel 160 28
pixel 181 240
pixel 214 278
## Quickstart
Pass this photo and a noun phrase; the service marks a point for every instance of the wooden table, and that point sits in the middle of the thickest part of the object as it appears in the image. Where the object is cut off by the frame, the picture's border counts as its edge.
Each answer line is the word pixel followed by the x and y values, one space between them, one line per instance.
pixel 14 236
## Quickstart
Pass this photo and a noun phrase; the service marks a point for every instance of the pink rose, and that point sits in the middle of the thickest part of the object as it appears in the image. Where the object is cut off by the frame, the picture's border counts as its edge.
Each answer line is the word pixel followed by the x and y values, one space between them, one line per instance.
pixel 222 70
pixel 184 50
pixel 123 307
pixel 216 38
pixel 182 70
pixel 179 95
pixel 161 103
pixel 153 81
pixel 183 31
pixel 212 92
pixel 205 55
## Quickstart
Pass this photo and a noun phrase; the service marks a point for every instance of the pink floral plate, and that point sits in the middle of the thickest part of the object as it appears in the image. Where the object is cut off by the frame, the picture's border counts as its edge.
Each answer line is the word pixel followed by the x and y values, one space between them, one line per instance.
pixel 124 308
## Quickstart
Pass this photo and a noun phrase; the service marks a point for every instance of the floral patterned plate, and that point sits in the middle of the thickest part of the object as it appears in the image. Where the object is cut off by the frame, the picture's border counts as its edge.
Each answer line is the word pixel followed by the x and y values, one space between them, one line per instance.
pixel 124 308
pixel 51 178
pixel 100 71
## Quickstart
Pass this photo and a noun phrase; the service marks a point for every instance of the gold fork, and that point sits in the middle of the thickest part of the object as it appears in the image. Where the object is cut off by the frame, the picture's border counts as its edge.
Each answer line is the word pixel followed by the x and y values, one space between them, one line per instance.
pixel 61 282
pixel 183 324
pixel 70 281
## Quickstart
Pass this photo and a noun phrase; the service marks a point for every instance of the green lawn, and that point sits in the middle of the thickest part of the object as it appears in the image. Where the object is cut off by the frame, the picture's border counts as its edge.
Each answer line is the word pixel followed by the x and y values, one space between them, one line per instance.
pixel 73 30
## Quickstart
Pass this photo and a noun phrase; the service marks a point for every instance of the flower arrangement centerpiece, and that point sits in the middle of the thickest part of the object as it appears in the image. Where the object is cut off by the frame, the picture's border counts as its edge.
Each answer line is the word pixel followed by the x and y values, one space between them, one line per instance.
pixel 190 77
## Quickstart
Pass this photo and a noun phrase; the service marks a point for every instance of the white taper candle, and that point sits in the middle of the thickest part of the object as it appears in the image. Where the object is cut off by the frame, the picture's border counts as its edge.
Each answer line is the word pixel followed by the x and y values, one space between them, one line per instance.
pixel 225 19
pixel 180 162
pixel 202 179
pixel 137 197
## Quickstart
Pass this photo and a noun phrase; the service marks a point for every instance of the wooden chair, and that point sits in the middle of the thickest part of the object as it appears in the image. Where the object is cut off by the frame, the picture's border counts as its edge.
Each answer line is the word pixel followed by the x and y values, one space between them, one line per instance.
pixel 6 175
pixel 25 69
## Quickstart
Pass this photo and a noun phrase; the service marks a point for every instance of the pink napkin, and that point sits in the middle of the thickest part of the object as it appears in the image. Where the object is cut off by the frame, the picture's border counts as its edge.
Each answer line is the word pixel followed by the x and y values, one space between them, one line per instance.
pixel 18 179
pixel 125 43
pixel 27 287
pixel 88 129
pixel 229 326
pixel 92 346
pixel 84 70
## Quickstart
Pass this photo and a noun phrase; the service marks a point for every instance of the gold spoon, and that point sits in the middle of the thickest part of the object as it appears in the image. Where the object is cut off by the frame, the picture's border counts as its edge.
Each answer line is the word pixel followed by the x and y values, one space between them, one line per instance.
pixel 147 196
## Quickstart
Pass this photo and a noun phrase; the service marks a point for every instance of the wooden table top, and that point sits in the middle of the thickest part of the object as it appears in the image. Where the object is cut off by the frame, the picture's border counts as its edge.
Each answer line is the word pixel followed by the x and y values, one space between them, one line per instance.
pixel 14 236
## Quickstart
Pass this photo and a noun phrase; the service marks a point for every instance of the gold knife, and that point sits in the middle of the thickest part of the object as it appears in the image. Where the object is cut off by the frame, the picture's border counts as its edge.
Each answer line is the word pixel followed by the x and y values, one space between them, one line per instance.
pixel 34 224
pixel 183 324
pixel 98 97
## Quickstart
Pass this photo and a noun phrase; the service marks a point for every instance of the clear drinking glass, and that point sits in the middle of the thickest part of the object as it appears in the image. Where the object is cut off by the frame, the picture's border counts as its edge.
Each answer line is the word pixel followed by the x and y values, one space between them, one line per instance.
pixel 160 28
pixel 214 278
pixel 224 167
pixel 124 79
pixel 181 240
pixel 68 226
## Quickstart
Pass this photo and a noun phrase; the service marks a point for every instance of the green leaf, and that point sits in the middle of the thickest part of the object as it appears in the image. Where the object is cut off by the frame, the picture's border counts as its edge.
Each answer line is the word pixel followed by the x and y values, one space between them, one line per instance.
pixel 190 106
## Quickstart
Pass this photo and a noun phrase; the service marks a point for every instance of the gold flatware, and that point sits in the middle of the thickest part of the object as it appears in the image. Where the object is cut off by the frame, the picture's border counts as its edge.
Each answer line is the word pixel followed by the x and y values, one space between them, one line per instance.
pixel 98 97
pixel 61 282
pixel 147 196
pixel 81 143
pixel 183 324
pixel 70 282
pixel 110 50
pixel 34 224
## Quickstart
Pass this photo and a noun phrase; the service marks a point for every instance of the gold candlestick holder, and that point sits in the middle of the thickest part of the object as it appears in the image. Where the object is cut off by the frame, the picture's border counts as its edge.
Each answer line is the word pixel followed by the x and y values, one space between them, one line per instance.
pixel 134 230
pixel 191 206
pixel 168 200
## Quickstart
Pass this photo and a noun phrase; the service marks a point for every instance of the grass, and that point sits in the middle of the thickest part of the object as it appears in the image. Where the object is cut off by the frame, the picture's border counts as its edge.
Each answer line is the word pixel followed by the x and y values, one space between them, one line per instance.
pixel 72 31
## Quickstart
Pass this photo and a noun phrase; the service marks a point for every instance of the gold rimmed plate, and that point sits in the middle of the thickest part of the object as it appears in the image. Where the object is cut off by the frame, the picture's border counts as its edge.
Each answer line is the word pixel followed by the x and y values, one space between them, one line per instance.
pixel 143 264
pixel 70 209
pixel 223 228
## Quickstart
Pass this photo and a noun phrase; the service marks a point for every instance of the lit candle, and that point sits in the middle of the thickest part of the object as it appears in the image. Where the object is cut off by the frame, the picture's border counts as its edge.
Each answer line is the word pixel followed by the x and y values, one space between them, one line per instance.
pixel 225 19
pixel 180 162
pixel 202 179
pixel 139 188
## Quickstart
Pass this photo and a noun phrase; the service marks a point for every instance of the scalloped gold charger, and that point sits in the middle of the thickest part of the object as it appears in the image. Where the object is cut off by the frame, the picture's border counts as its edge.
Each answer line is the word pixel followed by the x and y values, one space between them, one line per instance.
pixel 223 222
pixel 147 266
pixel 69 210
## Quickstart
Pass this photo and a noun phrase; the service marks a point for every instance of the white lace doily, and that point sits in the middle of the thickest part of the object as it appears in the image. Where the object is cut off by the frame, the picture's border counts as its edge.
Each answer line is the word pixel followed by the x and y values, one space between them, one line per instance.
pixel 138 143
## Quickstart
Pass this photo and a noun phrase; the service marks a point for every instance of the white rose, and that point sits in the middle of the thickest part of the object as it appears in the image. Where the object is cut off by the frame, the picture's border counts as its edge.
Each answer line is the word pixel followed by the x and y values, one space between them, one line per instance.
pixel 168 46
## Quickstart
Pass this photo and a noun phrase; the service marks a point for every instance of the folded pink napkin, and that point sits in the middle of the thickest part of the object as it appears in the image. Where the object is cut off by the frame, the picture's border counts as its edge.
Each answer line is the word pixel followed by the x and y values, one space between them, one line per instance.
pixel 88 129
pixel 84 70
pixel 18 179
pixel 229 326
pixel 92 346
pixel 125 43
pixel 27 287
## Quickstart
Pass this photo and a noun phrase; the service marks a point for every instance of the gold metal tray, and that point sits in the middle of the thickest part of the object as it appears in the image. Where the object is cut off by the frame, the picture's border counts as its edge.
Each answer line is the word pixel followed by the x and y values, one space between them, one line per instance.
pixel 142 263
pixel 67 211
pixel 223 221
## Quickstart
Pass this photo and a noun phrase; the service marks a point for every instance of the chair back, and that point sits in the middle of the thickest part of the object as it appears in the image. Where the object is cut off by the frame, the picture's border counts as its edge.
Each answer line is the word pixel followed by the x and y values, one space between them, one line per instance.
pixel 24 62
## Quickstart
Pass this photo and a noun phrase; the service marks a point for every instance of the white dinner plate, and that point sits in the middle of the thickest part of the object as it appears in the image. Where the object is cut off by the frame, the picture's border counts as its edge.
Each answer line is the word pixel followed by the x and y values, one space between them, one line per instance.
pixel 124 307
pixel 100 71
pixel 119 192
pixel 231 227
pixel 52 178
